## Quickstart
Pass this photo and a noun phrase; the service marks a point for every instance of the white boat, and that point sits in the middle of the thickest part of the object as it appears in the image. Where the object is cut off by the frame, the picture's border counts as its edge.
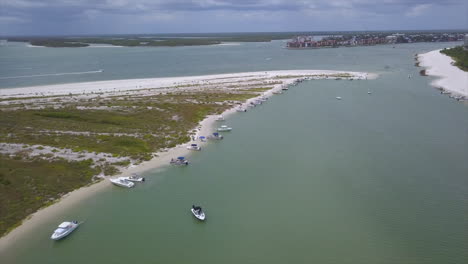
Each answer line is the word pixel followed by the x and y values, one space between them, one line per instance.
pixel 338 98
pixel 224 128
pixel 284 88
pixel 220 118
pixel 198 212
pixel 194 147
pixel 216 136
pixel 64 229
pixel 277 92
pixel 263 99
pixel 369 92
pixel 240 109
pixel 134 178
pixel 122 182
pixel 179 161
pixel 202 138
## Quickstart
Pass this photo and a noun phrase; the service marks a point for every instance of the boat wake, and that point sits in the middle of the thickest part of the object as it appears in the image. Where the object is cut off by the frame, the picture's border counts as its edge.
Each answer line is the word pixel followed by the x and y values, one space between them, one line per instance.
pixel 50 74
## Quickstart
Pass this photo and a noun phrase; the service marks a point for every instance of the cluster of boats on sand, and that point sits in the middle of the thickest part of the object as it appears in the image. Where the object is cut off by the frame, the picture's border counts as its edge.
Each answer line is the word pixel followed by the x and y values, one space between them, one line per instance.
pixel 65 228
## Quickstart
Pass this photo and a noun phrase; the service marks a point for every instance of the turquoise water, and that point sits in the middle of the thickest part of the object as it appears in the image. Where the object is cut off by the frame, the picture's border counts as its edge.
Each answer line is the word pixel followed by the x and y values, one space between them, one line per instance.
pixel 304 178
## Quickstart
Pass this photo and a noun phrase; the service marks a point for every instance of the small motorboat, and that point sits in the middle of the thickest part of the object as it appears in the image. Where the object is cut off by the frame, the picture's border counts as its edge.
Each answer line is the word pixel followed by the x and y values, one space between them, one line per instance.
pixel 220 118
pixel 64 229
pixel 122 182
pixel 369 92
pixel 277 92
pixel 198 212
pixel 202 138
pixel 179 161
pixel 215 135
pixel 224 128
pixel 338 98
pixel 134 178
pixel 241 109
pixel 263 99
pixel 194 147
pixel 284 88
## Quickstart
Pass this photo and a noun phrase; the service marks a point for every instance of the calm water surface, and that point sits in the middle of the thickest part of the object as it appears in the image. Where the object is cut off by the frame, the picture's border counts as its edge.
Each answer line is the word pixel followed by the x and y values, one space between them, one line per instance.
pixel 304 178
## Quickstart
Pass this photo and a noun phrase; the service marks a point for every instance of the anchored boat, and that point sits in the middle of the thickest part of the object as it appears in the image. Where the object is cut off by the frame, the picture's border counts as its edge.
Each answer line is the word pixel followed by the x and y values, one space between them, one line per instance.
pixel 197 211
pixel 134 178
pixel 216 136
pixel 194 147
pixel 64 229
pixel 122 182
pixel 224 128
pixel 179 161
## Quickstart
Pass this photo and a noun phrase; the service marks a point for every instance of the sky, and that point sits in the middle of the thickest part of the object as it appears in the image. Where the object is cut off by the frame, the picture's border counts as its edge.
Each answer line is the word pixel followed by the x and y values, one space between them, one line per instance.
pixel 74 17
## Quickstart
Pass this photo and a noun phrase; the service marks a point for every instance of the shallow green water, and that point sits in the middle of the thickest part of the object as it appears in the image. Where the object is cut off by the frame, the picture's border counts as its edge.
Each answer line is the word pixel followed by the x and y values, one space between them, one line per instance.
pixel 304 178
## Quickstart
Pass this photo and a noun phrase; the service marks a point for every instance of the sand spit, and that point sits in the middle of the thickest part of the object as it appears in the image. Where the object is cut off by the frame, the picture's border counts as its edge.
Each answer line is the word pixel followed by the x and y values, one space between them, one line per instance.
pixel 152 83
pixel 204 128
pixel 451 78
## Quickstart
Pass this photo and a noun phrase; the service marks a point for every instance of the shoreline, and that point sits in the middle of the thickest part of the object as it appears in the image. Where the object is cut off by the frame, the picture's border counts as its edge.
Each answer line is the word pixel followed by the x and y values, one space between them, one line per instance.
pixel 449 77
pixel 203 128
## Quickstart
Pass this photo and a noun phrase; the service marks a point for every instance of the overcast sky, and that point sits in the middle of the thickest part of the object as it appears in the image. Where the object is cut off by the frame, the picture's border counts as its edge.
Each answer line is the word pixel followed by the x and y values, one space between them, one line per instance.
pixel 19 17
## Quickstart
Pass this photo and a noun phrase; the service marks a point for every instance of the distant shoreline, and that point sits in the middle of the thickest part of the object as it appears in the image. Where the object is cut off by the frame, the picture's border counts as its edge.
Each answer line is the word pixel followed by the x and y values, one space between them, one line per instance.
pixel 450 77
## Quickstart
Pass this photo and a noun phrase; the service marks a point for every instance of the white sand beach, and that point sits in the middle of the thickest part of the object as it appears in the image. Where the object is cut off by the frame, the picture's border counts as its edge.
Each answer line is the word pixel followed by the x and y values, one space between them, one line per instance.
pixel 138 84
pixel 204 128
pixel 451 78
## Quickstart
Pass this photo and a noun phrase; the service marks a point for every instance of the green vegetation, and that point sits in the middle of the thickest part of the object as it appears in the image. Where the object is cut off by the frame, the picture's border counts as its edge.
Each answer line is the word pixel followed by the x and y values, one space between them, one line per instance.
pixel 459 55
pixel 52 43
pixel 29 184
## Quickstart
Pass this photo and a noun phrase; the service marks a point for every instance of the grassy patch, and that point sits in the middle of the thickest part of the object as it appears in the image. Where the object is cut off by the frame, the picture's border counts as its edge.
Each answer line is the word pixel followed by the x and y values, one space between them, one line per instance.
pixel 27 185
pixel 459 55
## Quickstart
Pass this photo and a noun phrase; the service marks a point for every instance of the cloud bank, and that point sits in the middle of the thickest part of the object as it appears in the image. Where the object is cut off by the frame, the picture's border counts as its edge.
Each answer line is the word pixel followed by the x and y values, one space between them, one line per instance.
pixel 164 16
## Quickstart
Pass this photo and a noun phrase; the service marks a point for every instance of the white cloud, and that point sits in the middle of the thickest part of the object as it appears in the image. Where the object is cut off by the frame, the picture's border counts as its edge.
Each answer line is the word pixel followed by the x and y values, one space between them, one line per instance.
pixel 418 10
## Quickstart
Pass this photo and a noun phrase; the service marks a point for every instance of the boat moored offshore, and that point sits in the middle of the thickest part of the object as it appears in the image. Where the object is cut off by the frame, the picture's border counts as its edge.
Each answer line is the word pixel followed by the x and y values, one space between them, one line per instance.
pixel 197 211
pixel 64 229
pixel 216 136
pixel 224 128
pixel 134 178
pixel 194 147
pixel 179 161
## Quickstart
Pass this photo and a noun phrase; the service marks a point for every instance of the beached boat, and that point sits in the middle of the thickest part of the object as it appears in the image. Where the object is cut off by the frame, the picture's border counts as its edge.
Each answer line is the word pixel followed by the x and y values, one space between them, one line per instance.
pixel 179 161
pixel 134 178
pixel 277 92
pixel 241 109
pixel 64 229
pixel 224 128
pixel 122 182
pixel 215 135
pixel 194 147
pixel 220 118
pixel 197 211
pixel 263 99
pixel 202 138
pixel 284 88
